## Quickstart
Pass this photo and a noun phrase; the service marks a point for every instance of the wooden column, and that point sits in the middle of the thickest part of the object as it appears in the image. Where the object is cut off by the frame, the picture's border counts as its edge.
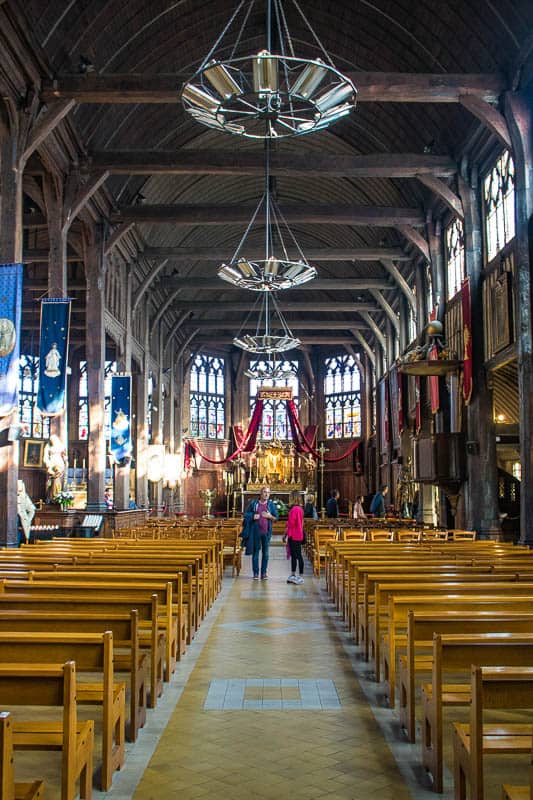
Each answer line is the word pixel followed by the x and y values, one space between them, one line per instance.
pixel 141 426
pixel 519 118
pixel 10 253
pixel 481 498
pixel 57 269
pixel 95 354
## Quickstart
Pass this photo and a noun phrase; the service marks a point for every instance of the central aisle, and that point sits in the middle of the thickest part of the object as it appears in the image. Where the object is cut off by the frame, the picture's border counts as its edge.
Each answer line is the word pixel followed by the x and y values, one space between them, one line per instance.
pixel 272 708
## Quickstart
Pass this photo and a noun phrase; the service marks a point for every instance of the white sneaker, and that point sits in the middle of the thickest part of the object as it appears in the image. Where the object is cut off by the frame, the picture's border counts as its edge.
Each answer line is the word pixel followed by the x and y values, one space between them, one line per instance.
pixel 292 579
pixel 298 580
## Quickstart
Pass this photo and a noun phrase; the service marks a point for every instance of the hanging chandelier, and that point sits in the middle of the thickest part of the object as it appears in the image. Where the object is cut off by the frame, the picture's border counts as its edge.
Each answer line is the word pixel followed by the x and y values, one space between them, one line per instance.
pixel 264 340
pixel 276 270
pixel 272 370
pixel 266 95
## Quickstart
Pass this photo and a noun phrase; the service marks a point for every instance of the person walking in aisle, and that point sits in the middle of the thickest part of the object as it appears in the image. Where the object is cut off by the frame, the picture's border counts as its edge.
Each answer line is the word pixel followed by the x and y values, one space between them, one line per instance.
pixel 294 535
pixel 310 511
pixel 258 519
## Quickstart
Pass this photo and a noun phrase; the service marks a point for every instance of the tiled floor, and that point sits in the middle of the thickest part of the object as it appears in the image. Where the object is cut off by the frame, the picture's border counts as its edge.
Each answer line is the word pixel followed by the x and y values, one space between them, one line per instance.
pixel 271 701
pixel 272 708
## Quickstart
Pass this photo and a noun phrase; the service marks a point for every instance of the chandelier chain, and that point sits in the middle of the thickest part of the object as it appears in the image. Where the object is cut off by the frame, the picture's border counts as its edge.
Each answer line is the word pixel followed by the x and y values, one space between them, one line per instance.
pixel 243 26
pixel 315 35
pixel 225 30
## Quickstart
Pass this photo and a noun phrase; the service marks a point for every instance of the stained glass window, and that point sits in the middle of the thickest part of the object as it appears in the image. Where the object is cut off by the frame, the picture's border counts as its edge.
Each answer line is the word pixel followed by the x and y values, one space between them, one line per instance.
pixel 275 421
pixel 455 256
pixel 499 202
pixel 33 424
pixel 83 400
pixel 342 396
pixel 207 398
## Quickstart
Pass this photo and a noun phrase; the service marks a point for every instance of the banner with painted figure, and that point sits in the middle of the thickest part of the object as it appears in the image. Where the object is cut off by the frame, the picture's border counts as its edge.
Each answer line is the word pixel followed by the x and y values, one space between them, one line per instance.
pixel 120 444
pixel 53 356
pixel 10 313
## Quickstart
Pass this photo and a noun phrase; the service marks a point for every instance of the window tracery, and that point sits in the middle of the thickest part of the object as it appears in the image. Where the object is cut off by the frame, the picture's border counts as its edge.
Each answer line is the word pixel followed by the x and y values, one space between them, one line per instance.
pixel 342 397
pixel 207 397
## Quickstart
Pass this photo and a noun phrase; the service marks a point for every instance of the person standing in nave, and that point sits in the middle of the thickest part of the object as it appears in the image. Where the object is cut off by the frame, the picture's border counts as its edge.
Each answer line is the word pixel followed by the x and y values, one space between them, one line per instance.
pixel 332 506
pixel 310 511
pixel 358 511
pixel 377 506
pixel 258 517
pixel 294 535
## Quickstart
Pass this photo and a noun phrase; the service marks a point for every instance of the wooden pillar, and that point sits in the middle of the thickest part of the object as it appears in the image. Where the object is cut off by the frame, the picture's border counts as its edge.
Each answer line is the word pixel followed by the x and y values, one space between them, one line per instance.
pixel 481 499
pixel 141 426
pixel 10 253
pixel 57 270
pixel 95 354
pixel 519 118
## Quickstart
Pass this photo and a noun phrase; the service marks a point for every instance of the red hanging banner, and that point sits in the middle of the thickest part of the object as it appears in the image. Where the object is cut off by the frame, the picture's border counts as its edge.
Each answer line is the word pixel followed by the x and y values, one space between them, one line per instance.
pixel 467 340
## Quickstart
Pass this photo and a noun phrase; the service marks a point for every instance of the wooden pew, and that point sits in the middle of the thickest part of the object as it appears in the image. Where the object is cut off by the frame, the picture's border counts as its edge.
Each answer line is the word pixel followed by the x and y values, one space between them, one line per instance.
pixel 135 591
pixel 491 614
pixel 456 653
pixel 9 790
pixel 513 792
pixel 175 633
pixel 92 653
pixel 377 615
pixel 127 657
pixel 491 688
pixel 51 685
pixel 147 609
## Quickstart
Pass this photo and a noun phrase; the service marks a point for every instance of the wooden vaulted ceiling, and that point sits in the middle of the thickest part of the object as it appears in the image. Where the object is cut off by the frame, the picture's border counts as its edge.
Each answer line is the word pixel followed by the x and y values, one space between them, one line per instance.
pixel 178 165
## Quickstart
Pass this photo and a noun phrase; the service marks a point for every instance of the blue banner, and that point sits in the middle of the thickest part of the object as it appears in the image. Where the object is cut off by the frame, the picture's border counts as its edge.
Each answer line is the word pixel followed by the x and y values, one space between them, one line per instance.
pixel 53 356
pixel 10 312
pixel 120 444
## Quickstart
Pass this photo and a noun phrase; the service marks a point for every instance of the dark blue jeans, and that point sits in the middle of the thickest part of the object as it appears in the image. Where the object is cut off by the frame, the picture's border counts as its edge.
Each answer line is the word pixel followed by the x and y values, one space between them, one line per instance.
pixel 263 549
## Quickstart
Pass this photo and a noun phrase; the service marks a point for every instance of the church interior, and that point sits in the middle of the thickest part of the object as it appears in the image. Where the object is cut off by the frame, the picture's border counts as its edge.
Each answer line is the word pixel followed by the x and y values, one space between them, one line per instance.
pixel 251 245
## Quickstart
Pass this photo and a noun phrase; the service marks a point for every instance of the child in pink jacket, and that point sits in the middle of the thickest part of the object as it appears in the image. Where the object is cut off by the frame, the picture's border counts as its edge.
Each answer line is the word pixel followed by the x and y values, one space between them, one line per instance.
pixel 295 537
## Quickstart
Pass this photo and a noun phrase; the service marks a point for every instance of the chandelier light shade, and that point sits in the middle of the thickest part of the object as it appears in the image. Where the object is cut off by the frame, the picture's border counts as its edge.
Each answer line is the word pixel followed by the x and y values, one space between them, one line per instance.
pixel 272 334
pixel 266 95
pixel 276 270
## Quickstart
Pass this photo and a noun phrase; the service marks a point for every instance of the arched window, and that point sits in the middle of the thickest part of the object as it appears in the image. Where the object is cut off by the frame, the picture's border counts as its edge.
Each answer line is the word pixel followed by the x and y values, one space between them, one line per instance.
pixel 275 422
pixel 499 205
pixel 83 400
pixel 33 424
pixel 342 397
pixel 455 256
pixel 207 398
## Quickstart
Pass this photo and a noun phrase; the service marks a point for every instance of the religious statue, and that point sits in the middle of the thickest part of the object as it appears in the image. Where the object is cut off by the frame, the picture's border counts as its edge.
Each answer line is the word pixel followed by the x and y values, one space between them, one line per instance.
pixel 52 359
pixel 25 509
pixel 55 462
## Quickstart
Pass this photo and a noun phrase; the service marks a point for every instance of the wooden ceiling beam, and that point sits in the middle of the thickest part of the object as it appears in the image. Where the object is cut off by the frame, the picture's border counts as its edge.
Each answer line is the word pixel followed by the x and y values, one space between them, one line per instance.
pixel 381 216
pixel 381 87
pixel 312 254
pixel 38 256
pixel 242 162
pixel 199 305
pixel 320 284
pixel 305 340
pixel 295 325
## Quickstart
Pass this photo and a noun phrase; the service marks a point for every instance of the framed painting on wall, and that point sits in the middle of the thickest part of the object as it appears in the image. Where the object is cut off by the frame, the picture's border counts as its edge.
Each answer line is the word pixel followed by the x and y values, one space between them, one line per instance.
pixel 33 453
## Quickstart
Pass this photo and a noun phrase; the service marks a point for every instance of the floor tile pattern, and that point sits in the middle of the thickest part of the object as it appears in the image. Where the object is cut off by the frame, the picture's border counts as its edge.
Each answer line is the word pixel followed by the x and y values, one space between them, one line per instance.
pixel 270 694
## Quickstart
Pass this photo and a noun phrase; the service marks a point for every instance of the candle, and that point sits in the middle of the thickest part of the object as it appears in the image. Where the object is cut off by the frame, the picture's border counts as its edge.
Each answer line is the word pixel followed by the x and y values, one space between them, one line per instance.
pixel 83 468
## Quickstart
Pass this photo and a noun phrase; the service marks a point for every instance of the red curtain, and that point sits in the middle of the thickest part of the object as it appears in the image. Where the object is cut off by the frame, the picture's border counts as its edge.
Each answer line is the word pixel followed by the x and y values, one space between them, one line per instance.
pixel 245 444
pixel 303 445
pixel 433 380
